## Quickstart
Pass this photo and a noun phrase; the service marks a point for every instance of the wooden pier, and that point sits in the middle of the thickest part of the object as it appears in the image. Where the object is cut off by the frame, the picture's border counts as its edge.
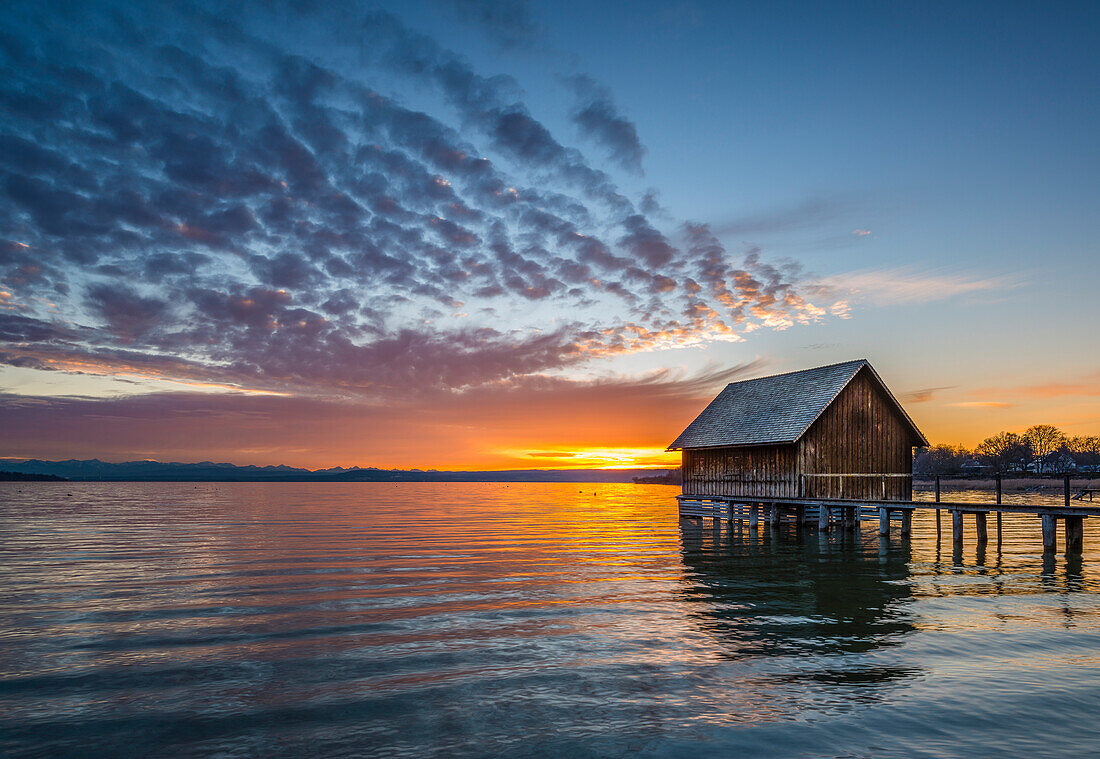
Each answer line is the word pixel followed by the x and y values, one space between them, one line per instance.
pixel 827 513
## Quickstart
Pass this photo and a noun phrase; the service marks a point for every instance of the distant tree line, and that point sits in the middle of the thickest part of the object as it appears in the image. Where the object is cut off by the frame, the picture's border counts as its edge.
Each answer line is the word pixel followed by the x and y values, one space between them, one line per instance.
pixel 24 477
pixel 1041 449
pixel 671 477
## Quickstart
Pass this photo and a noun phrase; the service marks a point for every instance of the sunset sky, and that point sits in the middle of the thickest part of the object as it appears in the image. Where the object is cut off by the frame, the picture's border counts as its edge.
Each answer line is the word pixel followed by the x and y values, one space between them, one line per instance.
pixel 462 234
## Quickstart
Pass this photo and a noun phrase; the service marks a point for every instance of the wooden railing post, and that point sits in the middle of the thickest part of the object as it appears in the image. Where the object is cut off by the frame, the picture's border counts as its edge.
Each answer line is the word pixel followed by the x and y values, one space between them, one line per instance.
pixel 937 510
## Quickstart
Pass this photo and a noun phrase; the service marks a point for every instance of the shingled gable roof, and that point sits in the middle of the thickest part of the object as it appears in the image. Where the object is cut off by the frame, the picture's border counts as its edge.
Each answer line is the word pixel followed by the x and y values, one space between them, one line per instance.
pixel 776 409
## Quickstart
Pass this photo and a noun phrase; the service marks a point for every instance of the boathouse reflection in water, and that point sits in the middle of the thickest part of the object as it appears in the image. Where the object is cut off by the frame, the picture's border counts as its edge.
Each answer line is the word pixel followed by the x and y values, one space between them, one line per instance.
pixel 827 599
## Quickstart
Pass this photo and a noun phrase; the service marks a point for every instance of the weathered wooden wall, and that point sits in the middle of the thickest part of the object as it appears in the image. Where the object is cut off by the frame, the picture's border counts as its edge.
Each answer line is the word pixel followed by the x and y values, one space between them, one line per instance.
pixel 766 470
pixel 861 432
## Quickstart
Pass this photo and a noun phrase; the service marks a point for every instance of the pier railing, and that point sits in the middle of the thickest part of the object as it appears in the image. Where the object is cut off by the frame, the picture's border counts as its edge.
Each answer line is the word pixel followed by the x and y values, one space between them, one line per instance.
pixel 854 482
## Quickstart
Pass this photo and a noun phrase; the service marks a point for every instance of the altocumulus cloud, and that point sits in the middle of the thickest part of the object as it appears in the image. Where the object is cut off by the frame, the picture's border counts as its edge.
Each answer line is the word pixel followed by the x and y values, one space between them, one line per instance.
pixel 203 193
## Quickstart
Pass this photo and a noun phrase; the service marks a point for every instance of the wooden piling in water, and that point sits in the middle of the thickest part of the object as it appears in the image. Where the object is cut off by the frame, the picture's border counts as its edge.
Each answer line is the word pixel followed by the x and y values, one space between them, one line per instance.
pixel 906 521
pixel 957 529
pixel 982 529
pixel 884 522
pixel 1050 537
pixel 1075 534
pixel 823 518
pixel 754 515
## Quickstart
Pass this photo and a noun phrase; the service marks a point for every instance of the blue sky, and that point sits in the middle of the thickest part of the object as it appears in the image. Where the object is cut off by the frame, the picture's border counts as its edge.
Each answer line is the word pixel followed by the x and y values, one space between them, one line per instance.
pixel 357 206
pixel 962 136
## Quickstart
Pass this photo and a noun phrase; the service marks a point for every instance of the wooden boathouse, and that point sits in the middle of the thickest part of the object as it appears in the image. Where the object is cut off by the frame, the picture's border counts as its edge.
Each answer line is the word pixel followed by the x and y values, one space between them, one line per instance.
pixel 829 432
pixel 829 444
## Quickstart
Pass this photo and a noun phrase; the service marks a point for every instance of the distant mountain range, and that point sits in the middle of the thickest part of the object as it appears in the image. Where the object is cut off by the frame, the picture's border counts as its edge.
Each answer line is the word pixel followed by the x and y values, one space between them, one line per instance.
pixel 207 471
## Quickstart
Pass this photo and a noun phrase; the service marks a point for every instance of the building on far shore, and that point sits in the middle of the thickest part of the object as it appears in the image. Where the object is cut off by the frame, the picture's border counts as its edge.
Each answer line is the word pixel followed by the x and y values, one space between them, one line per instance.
pixel 829 432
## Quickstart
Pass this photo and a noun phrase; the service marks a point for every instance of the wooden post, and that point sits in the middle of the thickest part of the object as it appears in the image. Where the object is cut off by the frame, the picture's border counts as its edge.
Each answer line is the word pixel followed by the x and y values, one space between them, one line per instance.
pixel 884 521
pixel 906 521
pixel 853 519
pixel 774 518
pixel 983 530
pixel 1067 491
pixel 937 510
pixel 957 528
pixel 999 515
pixel 1050 538
pixel 823 517
pixel 754 515
pixel 884 487
pixel 1075 533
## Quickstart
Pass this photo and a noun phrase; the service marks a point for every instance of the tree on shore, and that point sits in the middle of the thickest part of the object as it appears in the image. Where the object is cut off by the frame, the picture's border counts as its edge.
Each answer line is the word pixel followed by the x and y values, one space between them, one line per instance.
pixel 1043 439
pixel 940 459
pixel 1085 450
pixel 1043 445
pixel 1004 451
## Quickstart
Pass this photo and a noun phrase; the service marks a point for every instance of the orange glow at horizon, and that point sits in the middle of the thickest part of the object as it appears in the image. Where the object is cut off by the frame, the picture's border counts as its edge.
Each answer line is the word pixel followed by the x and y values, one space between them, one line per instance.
pixel 598 458
pixel 614 425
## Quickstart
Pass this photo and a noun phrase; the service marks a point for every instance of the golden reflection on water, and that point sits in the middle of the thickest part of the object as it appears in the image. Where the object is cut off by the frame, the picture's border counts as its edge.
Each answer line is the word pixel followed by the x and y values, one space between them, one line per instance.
pixel 447 619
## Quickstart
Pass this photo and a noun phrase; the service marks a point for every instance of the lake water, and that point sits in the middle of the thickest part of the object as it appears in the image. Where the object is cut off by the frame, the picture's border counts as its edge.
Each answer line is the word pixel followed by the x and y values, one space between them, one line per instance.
pixel 440 620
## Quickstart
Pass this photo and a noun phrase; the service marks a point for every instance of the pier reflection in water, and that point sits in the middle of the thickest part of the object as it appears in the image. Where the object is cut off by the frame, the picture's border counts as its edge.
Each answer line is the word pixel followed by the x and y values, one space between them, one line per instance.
pixel 525 620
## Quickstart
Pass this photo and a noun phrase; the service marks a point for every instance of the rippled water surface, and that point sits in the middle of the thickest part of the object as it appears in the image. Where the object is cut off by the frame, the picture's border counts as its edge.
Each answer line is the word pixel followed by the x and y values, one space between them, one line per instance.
pixel 432 620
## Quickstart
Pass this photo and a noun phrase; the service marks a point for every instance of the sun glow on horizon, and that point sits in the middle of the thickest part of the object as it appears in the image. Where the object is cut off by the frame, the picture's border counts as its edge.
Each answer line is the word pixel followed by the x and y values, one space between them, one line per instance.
pixel 597 458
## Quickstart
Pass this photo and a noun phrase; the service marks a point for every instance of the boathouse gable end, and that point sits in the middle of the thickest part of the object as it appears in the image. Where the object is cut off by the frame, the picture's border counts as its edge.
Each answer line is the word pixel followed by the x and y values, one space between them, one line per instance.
pixel 861 446
pixel 830 432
